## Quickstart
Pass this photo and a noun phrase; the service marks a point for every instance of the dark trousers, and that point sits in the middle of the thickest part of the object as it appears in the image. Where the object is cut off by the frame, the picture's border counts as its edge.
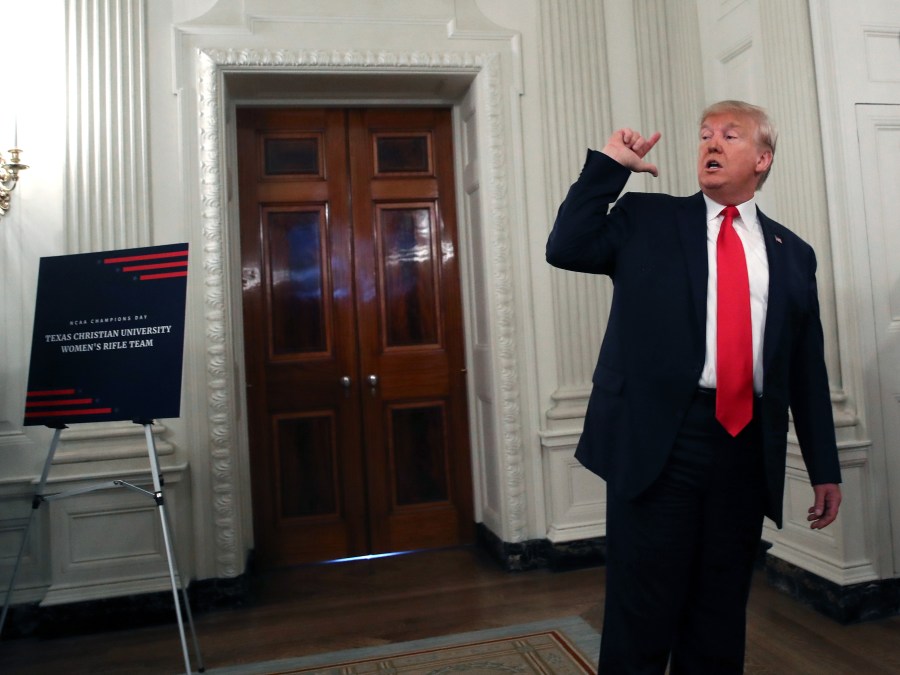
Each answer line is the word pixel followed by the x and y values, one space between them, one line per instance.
pixel 680 556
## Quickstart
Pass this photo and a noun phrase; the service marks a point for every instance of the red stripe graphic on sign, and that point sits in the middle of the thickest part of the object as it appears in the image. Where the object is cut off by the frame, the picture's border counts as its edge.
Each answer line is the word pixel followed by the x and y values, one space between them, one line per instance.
pixel 52 392
pixel 65 401
pixel 62 405
pixel 154 266
pixel 166 275
pixel 61 413
pixel 148 256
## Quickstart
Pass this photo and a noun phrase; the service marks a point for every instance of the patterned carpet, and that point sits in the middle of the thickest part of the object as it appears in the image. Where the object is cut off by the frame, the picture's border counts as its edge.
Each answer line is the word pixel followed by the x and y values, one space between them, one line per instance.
pixel 566 646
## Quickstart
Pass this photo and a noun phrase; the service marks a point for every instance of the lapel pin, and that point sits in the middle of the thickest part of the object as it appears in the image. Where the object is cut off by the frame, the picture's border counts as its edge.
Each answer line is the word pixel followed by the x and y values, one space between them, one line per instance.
pixel 778 239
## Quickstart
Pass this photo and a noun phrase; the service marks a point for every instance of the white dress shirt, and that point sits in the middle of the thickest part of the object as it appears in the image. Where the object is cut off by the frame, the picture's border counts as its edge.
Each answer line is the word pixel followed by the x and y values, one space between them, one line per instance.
pixel 750 232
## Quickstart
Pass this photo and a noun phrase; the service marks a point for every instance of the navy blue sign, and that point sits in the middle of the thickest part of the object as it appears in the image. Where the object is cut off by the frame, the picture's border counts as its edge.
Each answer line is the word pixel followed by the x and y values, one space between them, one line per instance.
pixel 108 337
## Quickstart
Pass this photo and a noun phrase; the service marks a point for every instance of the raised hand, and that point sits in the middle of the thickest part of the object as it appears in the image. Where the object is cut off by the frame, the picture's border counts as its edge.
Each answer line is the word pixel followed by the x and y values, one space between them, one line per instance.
pixel 628 148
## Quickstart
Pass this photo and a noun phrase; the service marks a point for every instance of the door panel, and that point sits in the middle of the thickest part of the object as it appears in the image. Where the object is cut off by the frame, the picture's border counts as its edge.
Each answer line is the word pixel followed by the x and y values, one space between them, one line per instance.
pixel 409 301
pixel 297 284
pixel 409 316
pixel 419 457
pixel 878 131
pixel 307 480
pixel 299 333
pixel 352 321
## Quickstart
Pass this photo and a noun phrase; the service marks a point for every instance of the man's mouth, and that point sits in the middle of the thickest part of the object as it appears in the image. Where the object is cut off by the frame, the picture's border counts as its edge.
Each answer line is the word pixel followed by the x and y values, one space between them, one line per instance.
pixel 713 164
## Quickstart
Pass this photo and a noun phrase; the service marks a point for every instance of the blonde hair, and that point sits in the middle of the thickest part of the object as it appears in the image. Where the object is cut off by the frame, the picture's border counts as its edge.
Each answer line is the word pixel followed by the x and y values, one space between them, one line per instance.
pixel 766 133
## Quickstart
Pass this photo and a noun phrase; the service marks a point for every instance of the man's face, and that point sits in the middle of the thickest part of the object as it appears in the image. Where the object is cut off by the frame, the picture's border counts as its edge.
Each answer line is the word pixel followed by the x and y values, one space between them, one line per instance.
pixel 730 161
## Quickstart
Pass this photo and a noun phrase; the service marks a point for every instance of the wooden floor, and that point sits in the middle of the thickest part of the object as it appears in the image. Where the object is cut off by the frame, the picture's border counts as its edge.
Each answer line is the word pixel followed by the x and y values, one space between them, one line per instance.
pixel 314 609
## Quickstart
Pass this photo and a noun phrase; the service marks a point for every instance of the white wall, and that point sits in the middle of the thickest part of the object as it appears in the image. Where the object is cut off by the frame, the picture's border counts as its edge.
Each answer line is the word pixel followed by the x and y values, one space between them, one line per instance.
pixel 33 227
pixel 857 61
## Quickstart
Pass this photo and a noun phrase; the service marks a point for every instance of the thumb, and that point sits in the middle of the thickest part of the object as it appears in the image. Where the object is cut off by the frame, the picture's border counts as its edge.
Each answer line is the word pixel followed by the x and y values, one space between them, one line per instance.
pixel 819 507
pixel 646 167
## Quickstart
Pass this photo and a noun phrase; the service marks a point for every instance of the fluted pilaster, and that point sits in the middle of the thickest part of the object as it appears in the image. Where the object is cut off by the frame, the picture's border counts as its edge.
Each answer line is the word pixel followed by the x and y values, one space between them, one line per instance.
pixel 107 200
pixel 576 108
pixel 798 176
pixel 671 88
pixel 107 187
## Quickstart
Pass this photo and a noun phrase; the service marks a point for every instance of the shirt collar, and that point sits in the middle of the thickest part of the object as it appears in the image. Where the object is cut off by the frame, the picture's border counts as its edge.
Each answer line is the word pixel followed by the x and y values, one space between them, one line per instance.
pixel 746 209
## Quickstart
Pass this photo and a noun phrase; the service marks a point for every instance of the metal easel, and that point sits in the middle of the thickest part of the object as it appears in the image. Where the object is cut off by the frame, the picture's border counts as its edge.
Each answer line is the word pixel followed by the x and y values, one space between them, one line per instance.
pixel 158 498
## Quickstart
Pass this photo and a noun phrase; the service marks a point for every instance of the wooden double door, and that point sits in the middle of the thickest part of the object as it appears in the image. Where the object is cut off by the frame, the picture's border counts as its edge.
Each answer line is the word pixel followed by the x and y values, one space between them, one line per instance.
pixel 353 332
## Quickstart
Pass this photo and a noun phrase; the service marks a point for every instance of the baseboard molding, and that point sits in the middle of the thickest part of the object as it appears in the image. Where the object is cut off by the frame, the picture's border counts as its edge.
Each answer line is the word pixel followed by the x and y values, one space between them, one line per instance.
pixel 845 604
pixel 131 611
pixel 542 553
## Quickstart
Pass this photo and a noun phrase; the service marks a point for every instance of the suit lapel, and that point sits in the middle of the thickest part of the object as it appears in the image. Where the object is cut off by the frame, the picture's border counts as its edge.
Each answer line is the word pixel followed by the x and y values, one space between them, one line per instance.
pixel 691 217
pixel 777 296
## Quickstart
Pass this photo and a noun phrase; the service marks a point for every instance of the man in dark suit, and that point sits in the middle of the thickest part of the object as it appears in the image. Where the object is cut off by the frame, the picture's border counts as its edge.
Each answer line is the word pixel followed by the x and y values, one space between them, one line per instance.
pixel 688 417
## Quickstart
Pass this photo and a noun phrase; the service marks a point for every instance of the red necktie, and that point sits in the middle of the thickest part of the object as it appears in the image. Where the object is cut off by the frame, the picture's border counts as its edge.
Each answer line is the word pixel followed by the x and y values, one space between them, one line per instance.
pixel 734 342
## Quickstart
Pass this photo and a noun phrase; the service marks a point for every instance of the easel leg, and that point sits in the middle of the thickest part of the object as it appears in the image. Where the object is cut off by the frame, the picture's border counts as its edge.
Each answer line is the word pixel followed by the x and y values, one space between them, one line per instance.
pixel 184 595
pixel 35 504
pixel 187 609
pixel 160 503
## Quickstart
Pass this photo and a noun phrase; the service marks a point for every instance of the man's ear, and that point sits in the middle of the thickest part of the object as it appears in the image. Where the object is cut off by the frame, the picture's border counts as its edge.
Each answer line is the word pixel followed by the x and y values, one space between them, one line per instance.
pixel 763 161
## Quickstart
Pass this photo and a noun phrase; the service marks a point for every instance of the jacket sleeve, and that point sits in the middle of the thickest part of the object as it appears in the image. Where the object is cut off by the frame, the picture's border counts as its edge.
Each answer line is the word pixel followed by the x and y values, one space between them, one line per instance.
pixel 810 397
pixel 586 236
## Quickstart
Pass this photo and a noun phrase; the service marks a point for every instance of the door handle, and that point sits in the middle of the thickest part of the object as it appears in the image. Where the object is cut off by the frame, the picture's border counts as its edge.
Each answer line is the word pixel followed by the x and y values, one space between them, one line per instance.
pixel 373 381
pixel 345 382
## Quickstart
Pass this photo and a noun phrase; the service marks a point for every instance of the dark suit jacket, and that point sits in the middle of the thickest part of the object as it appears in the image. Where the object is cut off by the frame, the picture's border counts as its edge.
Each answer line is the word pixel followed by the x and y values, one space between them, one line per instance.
pixel 653 246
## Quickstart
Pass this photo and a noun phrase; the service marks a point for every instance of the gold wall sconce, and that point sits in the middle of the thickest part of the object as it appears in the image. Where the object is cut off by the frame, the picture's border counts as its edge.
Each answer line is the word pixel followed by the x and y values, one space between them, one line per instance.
pixel 9 177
